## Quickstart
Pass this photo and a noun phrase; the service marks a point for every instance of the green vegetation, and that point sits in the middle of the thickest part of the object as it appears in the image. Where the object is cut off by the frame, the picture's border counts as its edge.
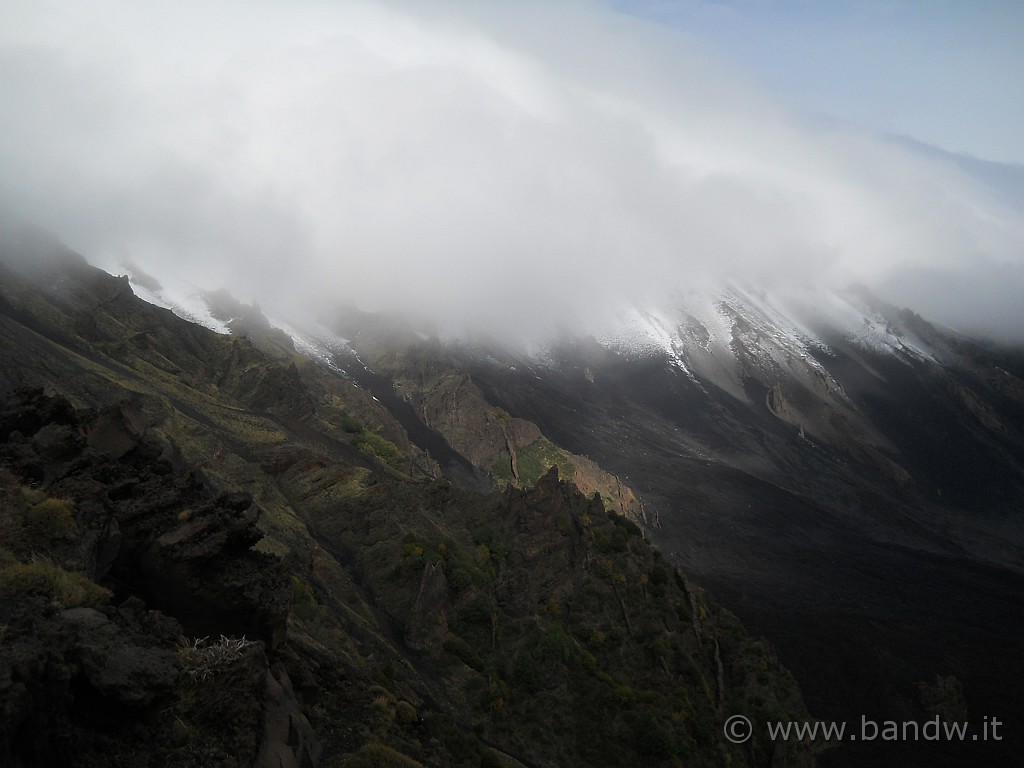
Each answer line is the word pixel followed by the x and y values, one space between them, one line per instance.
pixel 380 447
pixel 41 578
pixel 304 605
pixel 33 530
pixel 51 519
pixel 375 755
pixel 462 650
pixel 534 461
pixel 350 424
pixel 585 654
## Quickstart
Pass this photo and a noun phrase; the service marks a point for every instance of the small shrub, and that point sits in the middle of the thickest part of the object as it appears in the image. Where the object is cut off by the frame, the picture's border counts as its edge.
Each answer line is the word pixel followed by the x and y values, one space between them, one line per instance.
pixel 414 556
pixel 350 424
pixel 631 528
pixel 376 755
pixel 526 672
pixel 51 520
pixel 556 645
pixel 459 578
pixel 945 698
pixel 381 447
pixel 478 612
pixel 405 713
pixel 595 640
pixel 652 740
pixel 617 540
pixel 462 650
pixel 203 660
pixel 304 604
pixel 65 589
pixel 489 759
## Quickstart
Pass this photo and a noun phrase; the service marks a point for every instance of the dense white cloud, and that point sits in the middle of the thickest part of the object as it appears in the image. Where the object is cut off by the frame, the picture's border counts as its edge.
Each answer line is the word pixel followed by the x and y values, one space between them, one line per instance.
pixel 499 173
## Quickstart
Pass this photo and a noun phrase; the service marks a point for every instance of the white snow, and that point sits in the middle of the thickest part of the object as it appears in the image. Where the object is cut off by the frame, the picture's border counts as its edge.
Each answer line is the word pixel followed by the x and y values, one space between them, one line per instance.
pixel 700 333
pixel 703 335
pixel 870 330
pixel 183 299
pixel 316 342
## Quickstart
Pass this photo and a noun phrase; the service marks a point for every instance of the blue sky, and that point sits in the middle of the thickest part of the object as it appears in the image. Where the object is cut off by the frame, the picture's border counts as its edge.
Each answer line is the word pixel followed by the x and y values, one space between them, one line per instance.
pixel 949 73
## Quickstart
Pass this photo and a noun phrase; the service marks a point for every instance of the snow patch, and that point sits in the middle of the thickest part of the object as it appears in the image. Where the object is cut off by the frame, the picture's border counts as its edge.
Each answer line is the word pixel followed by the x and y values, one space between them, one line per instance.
pixel 318 343
pixel 183 299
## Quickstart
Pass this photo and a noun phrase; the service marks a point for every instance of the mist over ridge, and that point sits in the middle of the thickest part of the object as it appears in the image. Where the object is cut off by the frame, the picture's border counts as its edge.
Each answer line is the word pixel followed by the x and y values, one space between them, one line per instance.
pixel 511 176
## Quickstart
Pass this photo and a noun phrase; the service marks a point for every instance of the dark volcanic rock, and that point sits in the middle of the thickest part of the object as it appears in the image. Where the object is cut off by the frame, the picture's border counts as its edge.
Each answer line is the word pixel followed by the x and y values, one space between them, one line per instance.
pixel 80 685
pixel 127 673
pixel 159 533
pixel 115 430
pixel 70 679
pixel 288 738
pixel 205 571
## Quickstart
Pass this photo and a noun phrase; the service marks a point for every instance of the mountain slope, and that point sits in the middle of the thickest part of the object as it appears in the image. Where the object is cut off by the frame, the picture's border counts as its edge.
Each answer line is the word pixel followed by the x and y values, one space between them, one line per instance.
pixel 847 476
pixel 393 616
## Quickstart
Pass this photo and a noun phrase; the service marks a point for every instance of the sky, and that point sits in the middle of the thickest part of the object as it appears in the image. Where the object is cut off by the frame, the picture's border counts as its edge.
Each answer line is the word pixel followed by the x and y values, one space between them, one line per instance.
pixel 945 72
pixel 526 168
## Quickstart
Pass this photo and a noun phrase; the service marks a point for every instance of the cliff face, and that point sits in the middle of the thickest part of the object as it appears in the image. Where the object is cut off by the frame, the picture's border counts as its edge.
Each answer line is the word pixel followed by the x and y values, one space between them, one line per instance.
pixel 510 451
pixel 215 555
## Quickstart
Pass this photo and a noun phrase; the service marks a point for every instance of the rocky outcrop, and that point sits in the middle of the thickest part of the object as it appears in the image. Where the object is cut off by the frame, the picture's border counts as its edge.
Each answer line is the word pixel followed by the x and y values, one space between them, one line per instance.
pixel 512 450
pixel 76 682
pixel 205 571
pixel 146 527
pixel 428 623
pixel 114 667
pixel 111 506
pixel 455 407
pixel 288 738
pixel 115 430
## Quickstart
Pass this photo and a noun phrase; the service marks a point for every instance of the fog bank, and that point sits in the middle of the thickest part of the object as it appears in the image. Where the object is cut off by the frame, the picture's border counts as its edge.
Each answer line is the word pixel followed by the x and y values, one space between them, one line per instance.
pixel 513 175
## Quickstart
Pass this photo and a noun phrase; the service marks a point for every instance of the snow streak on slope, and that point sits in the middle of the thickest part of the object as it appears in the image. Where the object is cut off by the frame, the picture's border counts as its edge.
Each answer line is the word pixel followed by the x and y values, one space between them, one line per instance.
pixel 869 328
pixel 638 333
pixel 189 302
pixel 722 339
pixel 316 342
pixel 180 296
pixel 715 338
pixel 773 352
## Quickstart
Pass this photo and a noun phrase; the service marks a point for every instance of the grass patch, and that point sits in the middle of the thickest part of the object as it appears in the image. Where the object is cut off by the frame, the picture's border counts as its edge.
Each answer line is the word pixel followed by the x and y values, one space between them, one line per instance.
pixel 304 605
pixel 381 447
pixel 375 755
pixel 39 577
pixel 51 520
pixel 534 461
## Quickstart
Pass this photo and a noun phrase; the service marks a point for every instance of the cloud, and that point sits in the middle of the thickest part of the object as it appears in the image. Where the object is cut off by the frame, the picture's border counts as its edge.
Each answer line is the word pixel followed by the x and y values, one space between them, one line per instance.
pixel 506 175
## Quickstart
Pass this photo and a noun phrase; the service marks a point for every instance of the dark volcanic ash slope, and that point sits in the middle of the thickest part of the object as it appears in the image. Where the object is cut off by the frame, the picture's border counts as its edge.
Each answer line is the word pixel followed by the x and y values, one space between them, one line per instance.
pixel 878 553
pixel 855 491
